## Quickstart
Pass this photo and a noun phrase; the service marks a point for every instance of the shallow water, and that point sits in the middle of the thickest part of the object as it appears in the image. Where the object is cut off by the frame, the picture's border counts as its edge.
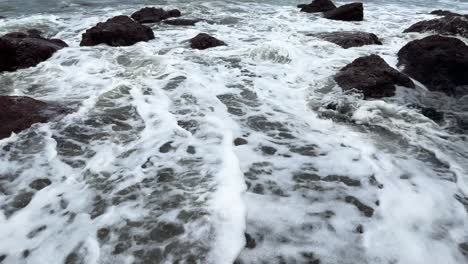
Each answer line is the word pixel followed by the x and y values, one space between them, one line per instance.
pixel 144 171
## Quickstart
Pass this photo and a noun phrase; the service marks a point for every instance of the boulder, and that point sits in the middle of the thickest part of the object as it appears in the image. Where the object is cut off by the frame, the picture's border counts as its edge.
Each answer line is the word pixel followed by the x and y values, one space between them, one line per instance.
pixel 348 39
pixel 204 41
pixel 117 31
pixel 349 12
pixel 182 22
pixel 372 76
pixel 448 25
pixel 154 15
pixel 440 63
pixel 18 113
pixel 20 50
pixel 318 6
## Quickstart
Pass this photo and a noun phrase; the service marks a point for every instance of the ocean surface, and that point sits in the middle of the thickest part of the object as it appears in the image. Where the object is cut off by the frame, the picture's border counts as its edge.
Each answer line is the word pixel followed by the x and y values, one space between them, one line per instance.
pixel 144 170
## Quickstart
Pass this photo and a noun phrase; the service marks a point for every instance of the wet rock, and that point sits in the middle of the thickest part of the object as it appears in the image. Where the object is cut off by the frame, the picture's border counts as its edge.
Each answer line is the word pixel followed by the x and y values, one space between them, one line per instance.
pixel 154 15
pixel 344 179
pixel 444 13
pixel 318 6
pixel 23 50
pixel 26 253
pixel 348 39
pixel 191 150
pixel 440 63
pixel 166 147
pixel 117 31
pixel 204 41
pixel 240 141
pixel 165 231
pixel 372 76
pixel 349 12
pixel 258 189
pixel 366 210
pixel 2 257
pixel 432 114
pixel 121 247
pixel 182 22
pixel 267 150
pixel 449 25
pixel 302 5
pixel 99 207
pixel 166 175
pixel 249 241
pixel 73 258
pixel 154 255
pixel 19 112
pixel 22 200
pixel 305 177
pixel 103 234
pixel 40 184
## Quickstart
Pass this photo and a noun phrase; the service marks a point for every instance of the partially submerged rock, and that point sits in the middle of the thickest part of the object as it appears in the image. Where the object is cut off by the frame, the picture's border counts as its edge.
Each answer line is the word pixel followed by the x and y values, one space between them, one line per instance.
pixel 20 50
pixel 448 25
pixel 182 22
pixel 204 41
pixel 444 13
pixel 440 63
pixel 372 76
pixel 117 31
pixel 318 6
pixel 348 39
pixel 154 15
pixel 18 113
pixel 349 12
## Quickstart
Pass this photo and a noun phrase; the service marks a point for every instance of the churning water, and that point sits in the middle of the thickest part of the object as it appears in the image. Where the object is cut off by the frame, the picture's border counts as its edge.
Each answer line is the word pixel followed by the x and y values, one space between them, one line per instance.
pixel 144 170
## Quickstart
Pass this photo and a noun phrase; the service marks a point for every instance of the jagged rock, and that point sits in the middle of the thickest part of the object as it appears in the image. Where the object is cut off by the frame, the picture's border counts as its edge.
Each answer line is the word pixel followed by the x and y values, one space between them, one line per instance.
pixel 40 184
pixel 372 76
pixel 440 63
pixel 448 25
pixel 240 141
pixel 154 15
pixel 348 39
pixel 318 6
pixel 349 12
pixel 182 22
pixel 18 113
pixel 204 41
pixel 117 31
pixel 249 241
pixel 20 50
pixel 302 5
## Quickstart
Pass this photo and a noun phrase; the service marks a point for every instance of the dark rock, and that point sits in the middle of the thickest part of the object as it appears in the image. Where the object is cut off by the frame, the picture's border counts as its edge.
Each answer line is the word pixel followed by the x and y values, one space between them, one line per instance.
pixel 103 234
pixel 22 200
pixel 449 25
pixel 366 210
pixel 318 6
pixel 267 150
pixel 240 141
pixel 204 41
pixel 344 179
pixel 154 15
pixel 165 231
pixel 120 248
pixel 306 177
pixel 2 257
pixel 166 147
pixel 182 22
pixel 26 253
pixel 444 13
pixel 40 184
pixel 463 248
pixel 2 17
pixel 18 113
pixel 36 231
pixel 440 63
pixel 117 31
pixel 191 150
pixel 23 50
pixel 302 5
pixel 166 175
pixel 372 76
pixel 349 12
pixel 249 241
pixel 348 39
pixel 432 114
